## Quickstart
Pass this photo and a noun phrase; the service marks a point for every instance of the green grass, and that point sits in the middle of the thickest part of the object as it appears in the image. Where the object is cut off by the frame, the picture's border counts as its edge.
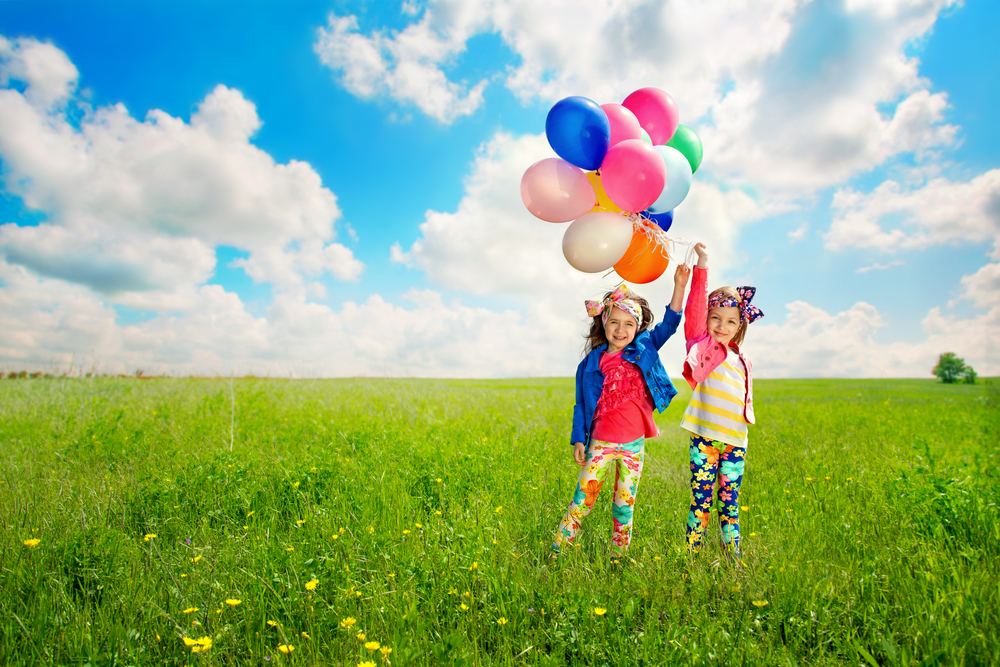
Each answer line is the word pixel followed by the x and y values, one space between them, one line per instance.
pixel 870 522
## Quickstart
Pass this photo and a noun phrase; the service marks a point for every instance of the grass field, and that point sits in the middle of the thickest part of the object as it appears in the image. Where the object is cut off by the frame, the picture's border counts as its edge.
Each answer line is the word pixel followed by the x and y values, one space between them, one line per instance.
pixel 262 515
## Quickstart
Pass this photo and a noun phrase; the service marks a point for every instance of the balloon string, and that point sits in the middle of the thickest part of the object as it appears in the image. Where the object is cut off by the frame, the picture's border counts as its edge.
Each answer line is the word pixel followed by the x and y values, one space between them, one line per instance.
pixel 671 245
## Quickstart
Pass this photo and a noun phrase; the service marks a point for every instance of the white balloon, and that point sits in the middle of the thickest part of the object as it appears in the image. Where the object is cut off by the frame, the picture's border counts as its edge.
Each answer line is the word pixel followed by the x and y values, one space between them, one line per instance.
pixel 595 241
pixel 678 182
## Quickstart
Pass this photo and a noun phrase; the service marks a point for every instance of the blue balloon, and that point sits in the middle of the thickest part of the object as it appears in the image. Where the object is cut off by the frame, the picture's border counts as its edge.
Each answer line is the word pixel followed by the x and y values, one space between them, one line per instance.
pixel 662 220
pixel 579 132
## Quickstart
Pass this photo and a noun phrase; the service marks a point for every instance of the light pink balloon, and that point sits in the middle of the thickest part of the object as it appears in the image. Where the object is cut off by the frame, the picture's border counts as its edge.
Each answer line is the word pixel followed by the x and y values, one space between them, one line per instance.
pixel 633 175
pixel 556 191
pixel 657 113
pixel 624 124
pixel 596 241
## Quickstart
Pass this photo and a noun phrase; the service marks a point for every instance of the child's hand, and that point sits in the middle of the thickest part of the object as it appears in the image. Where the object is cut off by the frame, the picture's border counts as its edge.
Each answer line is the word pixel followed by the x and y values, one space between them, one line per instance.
pixel 579 453
pixel 702 253
pixel 681 275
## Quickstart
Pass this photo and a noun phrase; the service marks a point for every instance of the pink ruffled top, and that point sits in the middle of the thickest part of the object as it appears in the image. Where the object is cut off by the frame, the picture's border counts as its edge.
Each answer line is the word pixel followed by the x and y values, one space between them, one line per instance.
pixel 625 411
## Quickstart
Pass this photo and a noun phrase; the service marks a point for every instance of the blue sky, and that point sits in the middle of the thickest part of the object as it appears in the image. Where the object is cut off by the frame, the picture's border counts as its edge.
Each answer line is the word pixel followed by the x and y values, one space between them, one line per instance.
pixel 365 220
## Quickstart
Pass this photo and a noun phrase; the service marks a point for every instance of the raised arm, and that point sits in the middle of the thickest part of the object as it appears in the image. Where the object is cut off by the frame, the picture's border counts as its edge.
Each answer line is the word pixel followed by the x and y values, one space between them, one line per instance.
pixel 696 312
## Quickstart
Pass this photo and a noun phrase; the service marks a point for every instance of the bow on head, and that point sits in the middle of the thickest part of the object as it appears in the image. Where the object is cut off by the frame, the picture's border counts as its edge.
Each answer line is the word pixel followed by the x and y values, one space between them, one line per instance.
pixel 622 298
pixel 748 313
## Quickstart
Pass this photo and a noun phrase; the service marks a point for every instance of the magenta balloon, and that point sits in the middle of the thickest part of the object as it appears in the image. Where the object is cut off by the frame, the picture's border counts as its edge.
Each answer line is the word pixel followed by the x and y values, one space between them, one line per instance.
pixel 656 111
pixel 633 175
pixel 556 191
pixel 624 124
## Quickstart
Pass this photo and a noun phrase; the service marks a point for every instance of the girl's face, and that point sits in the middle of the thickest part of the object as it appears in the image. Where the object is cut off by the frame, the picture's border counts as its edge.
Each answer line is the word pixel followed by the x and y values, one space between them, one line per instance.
pixel 723 323
pixel 620 329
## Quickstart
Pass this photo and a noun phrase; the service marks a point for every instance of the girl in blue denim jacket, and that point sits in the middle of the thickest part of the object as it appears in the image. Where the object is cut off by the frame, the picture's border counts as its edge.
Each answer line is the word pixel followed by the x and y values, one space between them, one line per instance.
pixel 618 384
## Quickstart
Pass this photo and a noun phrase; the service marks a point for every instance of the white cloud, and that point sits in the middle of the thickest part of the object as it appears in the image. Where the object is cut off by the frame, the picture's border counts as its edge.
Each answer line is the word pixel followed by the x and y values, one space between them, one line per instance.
pixel 813 343
pixel 983 286
pixel 893 218
pixel 135 208
pixel 799 233
pixel 879 267
pixel 406 65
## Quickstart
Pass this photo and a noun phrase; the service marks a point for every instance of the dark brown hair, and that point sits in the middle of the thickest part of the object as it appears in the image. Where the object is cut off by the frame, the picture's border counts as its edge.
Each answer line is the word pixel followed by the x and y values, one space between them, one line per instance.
pixel 596 338
pixel 731 292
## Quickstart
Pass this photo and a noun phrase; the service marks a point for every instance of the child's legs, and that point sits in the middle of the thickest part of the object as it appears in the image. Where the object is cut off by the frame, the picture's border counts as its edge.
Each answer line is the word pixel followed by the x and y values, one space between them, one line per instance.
pixel 730 477
pixel 628 472
pixel 704 467
pixel 592 477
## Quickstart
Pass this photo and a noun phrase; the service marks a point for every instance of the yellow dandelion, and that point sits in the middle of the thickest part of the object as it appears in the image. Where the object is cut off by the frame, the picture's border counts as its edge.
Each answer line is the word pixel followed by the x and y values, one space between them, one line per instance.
pixel 335 536
pixel 272 623
pixel 300 522
pixel 232 602
pixel 290 549
pixel 371 646
pixel 306 636
pixel 501 621
pixel 366 663
pixel 347 622
pixel 760 603
pixel 809 479
pixel 357 594
pixel 341 530
pixel 438 512
pixel 600 611
pixel 196 559
pixel 287 648
pixel 419 525
pixel 452 591
pixel 464 607
pixel 191 610
pixel 467 594
pixel 190 642
pixel 499 509
pixel 361 636
pixel 438 480
pixel 406 532
pixel 312 584
pixel 183 576
pixel 33 542
pixel 391 575
pixel 385 651
pixel 371 529
pixel 474 566
pixel 313 469
pixel 148 536
pixel 251 513
pixel 295 485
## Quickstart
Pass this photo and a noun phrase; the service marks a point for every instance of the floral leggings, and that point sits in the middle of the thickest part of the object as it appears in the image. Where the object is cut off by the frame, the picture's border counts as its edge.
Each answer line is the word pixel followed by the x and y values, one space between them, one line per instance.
pixel 711 459
pixel 626 460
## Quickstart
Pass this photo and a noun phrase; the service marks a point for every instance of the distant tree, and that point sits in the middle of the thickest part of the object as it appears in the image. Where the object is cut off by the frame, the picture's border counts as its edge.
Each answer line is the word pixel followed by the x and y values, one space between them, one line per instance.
pixel 950 368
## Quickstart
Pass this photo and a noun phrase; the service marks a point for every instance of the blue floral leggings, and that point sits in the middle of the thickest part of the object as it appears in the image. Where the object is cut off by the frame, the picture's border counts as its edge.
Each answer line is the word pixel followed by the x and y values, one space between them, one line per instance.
pixel 711 459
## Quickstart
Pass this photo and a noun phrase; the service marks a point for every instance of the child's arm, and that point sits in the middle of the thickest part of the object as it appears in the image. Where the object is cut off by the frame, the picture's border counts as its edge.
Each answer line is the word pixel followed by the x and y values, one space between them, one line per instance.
pixel 672 318
pixel 696 312
pixel 681 275
pixel 578 435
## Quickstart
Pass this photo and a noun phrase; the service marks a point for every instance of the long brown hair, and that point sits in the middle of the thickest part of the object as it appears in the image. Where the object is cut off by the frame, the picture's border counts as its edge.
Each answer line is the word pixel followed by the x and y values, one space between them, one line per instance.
pixel 596 337
pixel 731 292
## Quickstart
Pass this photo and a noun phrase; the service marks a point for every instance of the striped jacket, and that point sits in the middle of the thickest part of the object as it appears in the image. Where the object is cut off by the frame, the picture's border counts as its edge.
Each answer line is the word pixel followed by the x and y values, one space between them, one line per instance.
pixel 704 354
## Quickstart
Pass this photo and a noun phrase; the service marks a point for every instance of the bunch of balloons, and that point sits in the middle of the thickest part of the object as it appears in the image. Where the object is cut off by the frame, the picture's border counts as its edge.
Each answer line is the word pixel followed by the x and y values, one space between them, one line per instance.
pixel 621 171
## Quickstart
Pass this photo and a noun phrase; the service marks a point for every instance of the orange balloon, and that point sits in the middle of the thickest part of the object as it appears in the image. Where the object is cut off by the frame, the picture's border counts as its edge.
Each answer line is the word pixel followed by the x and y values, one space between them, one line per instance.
pixel 604 202
pixel 644 261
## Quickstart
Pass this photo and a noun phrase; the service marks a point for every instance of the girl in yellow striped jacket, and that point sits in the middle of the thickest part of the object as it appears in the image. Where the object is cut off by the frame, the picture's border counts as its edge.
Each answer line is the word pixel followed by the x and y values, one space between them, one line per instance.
pixel 721 403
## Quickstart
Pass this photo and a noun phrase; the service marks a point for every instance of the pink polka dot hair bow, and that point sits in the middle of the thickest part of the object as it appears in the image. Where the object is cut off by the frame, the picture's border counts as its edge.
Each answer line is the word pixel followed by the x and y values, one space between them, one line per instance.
pixel 622 298
pixel 748 313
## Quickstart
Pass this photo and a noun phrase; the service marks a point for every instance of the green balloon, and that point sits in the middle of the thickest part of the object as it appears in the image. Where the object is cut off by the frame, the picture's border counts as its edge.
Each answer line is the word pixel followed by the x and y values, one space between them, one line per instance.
pixel 645 137
pixel 687 142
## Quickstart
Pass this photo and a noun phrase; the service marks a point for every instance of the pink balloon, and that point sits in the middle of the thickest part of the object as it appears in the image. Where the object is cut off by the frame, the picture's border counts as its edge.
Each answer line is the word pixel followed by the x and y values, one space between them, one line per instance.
pixel 633 175
pixel 556 191
pixel 656 111
pixel 624 124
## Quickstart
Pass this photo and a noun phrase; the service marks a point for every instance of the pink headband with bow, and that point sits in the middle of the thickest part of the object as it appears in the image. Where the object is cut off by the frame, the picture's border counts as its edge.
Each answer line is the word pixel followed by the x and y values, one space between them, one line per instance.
pixel 622 298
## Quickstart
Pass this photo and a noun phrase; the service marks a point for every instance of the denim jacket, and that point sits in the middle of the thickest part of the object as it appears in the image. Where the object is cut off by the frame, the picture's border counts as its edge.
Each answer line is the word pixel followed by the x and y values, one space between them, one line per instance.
pixel 643 352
